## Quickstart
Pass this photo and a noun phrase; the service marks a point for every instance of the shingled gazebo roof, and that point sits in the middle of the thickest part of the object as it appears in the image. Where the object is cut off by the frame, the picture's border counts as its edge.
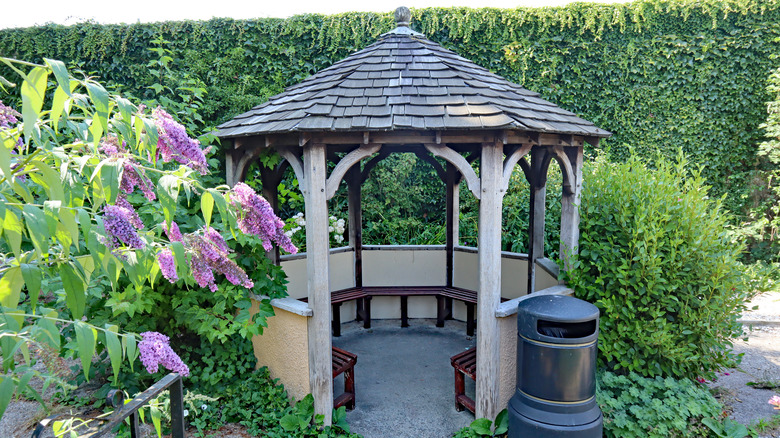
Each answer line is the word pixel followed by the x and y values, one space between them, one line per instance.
pixel 406 82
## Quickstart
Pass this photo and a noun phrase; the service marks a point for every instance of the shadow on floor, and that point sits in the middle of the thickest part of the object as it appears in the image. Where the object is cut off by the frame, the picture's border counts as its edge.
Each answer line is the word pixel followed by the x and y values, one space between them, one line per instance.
pixel 404 382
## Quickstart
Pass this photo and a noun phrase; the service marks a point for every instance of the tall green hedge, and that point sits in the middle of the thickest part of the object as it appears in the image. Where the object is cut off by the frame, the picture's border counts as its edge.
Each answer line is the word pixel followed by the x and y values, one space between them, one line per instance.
pixel 659 74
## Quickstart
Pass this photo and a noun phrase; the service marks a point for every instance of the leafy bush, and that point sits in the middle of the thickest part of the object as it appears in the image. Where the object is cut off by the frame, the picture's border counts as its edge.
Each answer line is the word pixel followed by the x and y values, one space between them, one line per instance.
pixel 656 258
pixel 641 407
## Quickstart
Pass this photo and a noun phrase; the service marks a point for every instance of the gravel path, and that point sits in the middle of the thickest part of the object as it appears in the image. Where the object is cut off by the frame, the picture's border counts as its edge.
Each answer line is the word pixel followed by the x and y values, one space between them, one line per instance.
pixel 760 363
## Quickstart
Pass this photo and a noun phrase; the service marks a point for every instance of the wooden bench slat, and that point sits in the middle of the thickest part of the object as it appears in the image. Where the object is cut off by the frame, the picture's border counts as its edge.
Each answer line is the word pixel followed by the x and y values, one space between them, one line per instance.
pixel 465 364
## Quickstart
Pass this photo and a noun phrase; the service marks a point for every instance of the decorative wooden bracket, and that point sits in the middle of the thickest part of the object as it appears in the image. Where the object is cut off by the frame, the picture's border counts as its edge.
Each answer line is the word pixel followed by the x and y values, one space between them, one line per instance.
pixel 348 161
pixel 371 164
pixel 296 164
pixel 460 163
pixel 435 164
pixel 510 161
pixel 568 173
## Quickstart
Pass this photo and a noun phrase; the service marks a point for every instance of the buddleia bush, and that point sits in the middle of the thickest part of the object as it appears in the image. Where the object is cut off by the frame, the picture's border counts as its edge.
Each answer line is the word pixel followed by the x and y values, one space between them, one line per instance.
pixel 657 259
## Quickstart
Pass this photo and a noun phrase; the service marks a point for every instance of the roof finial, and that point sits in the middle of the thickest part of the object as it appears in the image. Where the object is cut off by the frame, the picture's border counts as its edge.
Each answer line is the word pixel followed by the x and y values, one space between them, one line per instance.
pixel 403 16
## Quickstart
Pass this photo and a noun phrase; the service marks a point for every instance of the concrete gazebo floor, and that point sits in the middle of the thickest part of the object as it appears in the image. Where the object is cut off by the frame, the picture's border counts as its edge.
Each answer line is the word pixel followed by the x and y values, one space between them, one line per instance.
pixel 403 378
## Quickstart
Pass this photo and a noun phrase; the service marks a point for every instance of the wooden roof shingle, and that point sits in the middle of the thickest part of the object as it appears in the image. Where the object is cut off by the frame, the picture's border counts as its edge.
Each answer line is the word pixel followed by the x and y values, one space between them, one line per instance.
pixel 405 81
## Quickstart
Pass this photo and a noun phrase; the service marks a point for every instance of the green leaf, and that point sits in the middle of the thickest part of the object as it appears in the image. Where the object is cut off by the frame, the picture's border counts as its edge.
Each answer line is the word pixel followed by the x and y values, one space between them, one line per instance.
pixel 207 206
pixel 37 228
pixel 75 289
pixel 50 180
pixel 51 211
pixel 86 336
pixel 99 97
pixel 7 390
pixel 68 221
pixel 114 347
pixel 32 279
pixel 11 284
pixel 481 426
pixel 131 349
pixel 168 192
pixel 156 415
pixel 50 328
pixel 109 172
pixel 60 72
pixel 33 93
pixel 12 228
pixel 85 221
pixel 502 423
pixel 290 423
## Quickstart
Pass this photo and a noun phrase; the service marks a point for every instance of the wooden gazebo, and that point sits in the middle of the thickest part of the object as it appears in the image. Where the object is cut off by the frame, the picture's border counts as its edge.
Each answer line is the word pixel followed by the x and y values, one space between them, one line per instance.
pixel 405 93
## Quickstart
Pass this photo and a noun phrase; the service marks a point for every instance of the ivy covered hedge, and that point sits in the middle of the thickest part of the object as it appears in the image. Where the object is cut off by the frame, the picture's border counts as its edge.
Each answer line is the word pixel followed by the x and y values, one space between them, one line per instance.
pixel 659 74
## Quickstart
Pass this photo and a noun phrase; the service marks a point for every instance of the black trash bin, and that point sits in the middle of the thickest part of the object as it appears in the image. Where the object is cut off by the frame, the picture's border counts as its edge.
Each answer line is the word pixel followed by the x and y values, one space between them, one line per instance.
pixel 556 369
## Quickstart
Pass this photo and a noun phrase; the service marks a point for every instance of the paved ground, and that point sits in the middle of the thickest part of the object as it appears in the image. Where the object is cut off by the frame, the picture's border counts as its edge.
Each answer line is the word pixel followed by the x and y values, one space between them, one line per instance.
pixel 404 380
pixel 761 363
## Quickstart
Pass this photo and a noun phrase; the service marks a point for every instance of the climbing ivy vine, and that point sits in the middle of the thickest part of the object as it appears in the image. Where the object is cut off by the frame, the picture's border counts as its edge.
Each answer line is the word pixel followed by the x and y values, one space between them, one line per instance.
pixel 662 75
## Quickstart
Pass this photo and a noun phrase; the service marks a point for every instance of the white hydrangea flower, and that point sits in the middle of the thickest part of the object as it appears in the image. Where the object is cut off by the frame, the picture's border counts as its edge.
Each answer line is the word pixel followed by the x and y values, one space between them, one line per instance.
pixel 203 407
pixel 186 412
pixel 339 238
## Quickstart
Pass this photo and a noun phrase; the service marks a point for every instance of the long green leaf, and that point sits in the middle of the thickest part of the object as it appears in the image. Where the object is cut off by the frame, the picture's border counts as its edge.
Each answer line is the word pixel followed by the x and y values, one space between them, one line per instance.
pixel 75 290
pixel 68 221
pixel 12 228
pixel 114 347
pixel 168 192
pixel 99 97
pixel 131 349
pixel 60 72
pixel 85 338
pixel 50 334
pixel 33 94
pixel 32 279
pixel 207 206
pixel 7 390
pixel 35 220
pixel 51 212
pixel 11 284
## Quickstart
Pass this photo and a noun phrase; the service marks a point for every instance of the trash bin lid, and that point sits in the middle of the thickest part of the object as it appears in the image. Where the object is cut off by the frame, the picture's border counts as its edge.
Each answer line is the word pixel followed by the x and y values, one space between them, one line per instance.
pixel 558 308
pixel 557 319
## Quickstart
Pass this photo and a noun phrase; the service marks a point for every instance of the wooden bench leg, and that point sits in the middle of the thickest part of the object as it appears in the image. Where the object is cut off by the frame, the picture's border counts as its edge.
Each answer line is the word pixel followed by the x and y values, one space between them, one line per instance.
pixel 460 389
pixel 349 387
pixel 470 321
pixel 336 323
pixel 440 311
pixel 367 313
pixel 359 309
pixel 448 308
pixel 404 311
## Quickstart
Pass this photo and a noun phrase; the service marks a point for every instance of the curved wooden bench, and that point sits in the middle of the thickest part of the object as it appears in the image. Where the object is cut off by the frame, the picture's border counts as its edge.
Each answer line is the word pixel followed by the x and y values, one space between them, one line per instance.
pixel 344 362
pixel 444 296
pixel 465 364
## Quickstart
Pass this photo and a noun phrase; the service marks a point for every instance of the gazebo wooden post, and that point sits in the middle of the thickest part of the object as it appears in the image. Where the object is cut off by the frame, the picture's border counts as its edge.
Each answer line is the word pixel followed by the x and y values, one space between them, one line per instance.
pixel 538 189
pixel 355 221
pixel 319 325
pixel 570 204
pixel 489 293
pixel 453 218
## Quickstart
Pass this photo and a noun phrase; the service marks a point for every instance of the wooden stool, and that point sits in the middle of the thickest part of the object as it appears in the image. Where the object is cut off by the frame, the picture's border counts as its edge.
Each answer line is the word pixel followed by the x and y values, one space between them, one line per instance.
pixel 465 364
pixel 344 362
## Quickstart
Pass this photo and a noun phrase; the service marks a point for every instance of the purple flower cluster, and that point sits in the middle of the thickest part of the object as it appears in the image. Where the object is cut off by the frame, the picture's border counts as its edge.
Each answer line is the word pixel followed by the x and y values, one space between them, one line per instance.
pixel 118 223
pixel 167 264
pixel 174 144
pixel 132 174
pixel 156 350
pixel 209 254
pixel 8 116
pixel 257 217
pixel 173 233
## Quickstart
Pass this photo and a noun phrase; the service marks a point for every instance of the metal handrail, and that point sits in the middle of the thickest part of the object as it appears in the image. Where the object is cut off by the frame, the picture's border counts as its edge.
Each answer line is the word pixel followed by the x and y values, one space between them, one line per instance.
pixel 116 398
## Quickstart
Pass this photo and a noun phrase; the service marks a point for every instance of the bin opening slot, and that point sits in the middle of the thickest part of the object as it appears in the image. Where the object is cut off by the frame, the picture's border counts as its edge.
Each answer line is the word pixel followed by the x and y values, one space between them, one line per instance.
pixel 567 330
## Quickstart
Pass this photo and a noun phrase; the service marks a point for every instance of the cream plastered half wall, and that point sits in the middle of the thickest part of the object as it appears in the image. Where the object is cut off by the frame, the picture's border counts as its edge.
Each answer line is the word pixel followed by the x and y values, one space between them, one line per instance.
pixel 284 349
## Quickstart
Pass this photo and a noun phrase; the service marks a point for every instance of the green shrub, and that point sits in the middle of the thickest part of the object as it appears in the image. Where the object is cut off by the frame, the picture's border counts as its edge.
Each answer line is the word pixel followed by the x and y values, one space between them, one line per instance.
pixel 636 406
pixel 656 258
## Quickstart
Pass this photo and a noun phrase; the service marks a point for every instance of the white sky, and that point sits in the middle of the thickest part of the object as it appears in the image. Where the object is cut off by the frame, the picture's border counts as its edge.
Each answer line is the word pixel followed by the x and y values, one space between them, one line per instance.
pixel 22 14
